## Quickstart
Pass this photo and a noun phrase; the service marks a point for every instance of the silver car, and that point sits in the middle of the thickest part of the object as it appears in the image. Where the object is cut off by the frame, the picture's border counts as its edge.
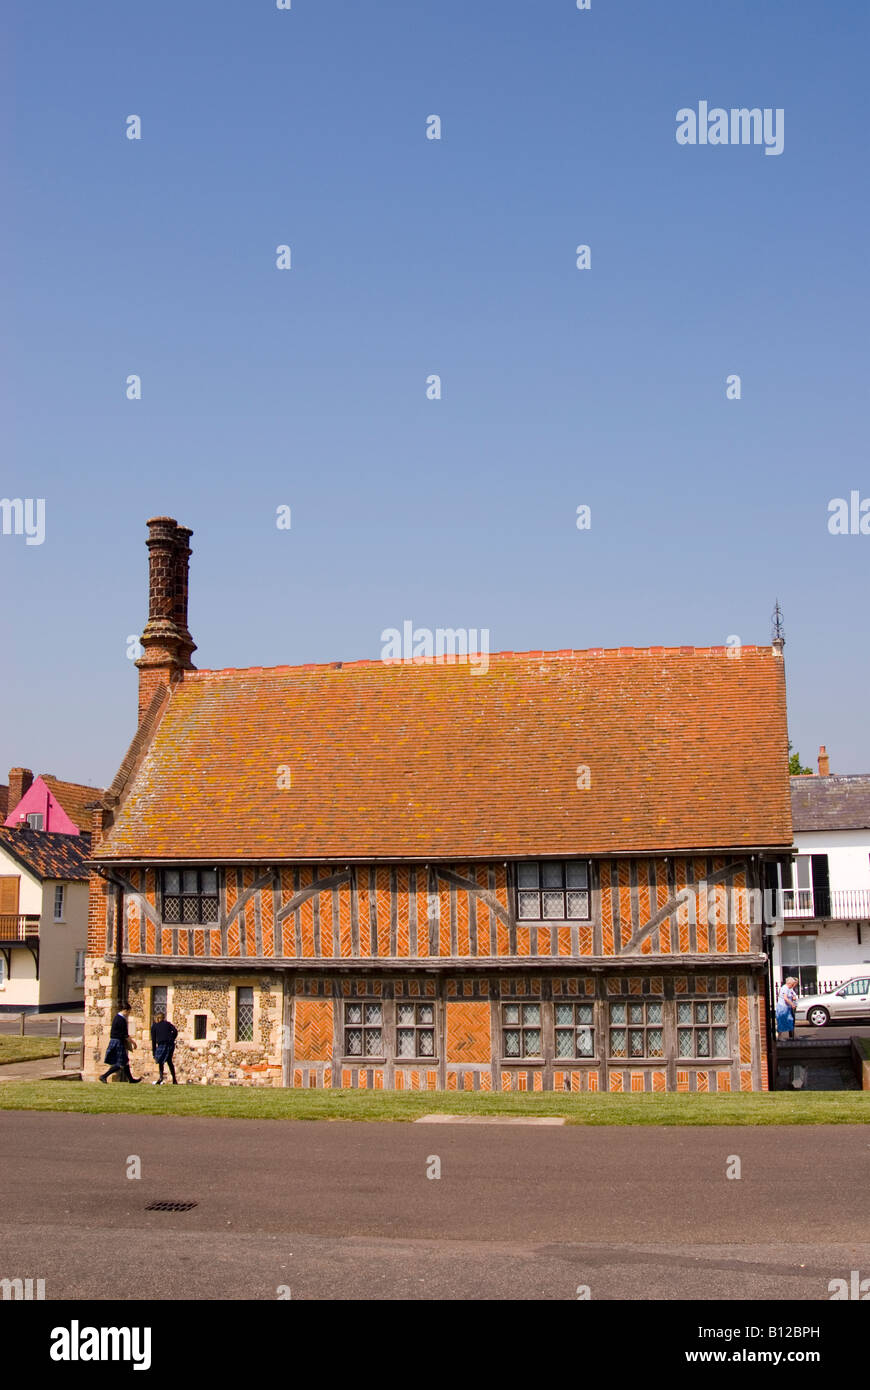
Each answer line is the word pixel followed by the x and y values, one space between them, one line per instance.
pixel 849 1000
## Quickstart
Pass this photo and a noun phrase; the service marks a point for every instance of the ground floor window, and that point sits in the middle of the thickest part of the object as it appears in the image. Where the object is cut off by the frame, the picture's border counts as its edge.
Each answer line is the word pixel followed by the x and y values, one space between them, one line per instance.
pixel 521 1030
pixel 798 954
pixel 245 1014
pixel 415 1030
pixel 158 1001
pixel 80 969
pixel 575 1035
pixel 363 1030
pixel 702 1028
pixel 636 1030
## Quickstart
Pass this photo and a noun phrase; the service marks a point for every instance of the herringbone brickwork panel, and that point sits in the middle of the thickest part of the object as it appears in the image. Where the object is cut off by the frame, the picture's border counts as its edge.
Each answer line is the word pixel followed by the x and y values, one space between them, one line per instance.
pixel 313 1030
pixel 468 1031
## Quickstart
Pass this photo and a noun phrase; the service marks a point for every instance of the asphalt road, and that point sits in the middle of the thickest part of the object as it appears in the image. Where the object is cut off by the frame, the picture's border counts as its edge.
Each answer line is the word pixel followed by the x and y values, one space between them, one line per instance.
pixel 341 1210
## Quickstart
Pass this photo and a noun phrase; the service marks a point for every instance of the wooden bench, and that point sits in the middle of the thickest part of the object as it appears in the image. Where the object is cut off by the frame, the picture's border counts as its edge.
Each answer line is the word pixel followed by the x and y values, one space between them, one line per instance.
pixel 72 1047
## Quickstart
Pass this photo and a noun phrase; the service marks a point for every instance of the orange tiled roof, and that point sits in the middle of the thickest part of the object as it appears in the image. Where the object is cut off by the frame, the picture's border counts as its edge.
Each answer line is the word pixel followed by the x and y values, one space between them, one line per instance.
pixel 74 797
pixel 686 748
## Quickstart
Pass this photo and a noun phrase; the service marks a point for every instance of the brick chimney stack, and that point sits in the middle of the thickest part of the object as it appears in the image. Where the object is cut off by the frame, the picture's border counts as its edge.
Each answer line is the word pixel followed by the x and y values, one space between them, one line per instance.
pixel 20 781
pixel 824 762
pixel 166 639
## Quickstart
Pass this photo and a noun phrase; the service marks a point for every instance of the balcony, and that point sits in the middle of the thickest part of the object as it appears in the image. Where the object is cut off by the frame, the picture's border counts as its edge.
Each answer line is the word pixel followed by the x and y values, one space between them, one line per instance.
pixel 833 905
pixel 15 927
pixel 19 930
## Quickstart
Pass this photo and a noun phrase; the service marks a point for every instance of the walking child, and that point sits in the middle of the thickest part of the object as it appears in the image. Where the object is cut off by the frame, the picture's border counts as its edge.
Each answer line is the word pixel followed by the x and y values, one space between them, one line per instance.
pixel 120 1044
pixel 163 1035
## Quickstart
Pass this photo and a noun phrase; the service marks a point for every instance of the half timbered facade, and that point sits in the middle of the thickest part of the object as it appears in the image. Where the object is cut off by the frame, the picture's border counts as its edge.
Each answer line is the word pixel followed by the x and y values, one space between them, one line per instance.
pixel 391 875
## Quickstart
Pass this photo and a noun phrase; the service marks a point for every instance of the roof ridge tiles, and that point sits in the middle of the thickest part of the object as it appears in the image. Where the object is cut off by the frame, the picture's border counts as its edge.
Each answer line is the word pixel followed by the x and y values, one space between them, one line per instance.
pixel 455 659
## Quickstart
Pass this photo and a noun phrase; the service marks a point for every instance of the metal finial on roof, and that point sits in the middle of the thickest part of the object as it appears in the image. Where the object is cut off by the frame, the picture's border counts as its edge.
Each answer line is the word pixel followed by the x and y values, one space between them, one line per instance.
pixel 777 635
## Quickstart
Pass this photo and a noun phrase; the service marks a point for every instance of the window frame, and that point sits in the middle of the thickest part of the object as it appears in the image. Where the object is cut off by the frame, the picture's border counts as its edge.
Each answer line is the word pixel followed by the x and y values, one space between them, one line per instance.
pixel 59 917
pixel 35 816
pixel 363 1058
pixel 575 1028
pixel 525 891
pixel 628 1027
pixel 696 1027
pixel 240 990
pixel 79 974
pixel 159 1008
pixel 416 1028
pixel 523 1057
pixel 199 896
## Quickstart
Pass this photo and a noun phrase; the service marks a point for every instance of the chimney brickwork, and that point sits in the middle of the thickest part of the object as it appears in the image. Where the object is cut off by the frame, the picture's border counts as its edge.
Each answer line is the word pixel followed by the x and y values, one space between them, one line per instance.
pixel 824 762
pixel 20 782
pixel 166 639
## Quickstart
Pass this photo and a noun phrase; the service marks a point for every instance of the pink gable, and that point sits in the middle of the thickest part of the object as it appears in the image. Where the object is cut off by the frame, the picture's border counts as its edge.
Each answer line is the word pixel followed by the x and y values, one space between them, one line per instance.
pixel 41 800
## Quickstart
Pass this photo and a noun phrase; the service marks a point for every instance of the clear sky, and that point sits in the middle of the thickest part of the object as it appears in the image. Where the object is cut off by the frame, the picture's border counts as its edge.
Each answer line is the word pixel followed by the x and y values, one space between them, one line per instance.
pixel 307 387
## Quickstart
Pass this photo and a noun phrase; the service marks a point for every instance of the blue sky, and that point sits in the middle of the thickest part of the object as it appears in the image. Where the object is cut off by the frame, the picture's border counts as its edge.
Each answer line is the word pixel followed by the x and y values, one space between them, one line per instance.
pixel 307 387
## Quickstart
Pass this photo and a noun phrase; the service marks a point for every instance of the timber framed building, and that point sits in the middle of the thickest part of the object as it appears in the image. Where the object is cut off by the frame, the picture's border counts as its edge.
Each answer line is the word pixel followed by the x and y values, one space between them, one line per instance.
pixel 416 875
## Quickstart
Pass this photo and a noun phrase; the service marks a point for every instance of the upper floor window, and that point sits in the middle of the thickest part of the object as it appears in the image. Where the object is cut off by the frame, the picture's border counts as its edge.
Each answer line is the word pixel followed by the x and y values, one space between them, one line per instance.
pixel 34 820
pixel 58 902
pixel 553 891
pixel 190 896
pixel 805 886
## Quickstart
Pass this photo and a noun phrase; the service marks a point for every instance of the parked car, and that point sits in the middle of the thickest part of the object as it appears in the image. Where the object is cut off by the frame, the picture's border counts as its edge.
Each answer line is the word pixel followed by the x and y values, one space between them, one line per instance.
pixel 849 1000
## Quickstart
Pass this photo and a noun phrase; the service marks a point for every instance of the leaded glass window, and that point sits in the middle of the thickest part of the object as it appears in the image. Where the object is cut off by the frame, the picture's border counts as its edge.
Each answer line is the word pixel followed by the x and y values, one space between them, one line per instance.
pixel 363 1030
pixel 244 1015
pixel 415 1030
pixel 575 1035
pixel 521 1031
pixel 553 891
pixel 190 896
pixel 158 1001
pixel 636 1029
pixel 702 1028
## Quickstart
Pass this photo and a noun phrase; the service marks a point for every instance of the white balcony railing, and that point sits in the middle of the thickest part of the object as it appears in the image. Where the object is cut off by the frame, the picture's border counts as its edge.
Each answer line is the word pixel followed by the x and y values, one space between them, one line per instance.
pixel 838 904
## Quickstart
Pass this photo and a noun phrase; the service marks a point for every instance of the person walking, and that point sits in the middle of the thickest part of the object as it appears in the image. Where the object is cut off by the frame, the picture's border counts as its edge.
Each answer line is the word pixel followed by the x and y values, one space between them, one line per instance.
pixel 120 1044
pixel 163 1035
pixel 785 1006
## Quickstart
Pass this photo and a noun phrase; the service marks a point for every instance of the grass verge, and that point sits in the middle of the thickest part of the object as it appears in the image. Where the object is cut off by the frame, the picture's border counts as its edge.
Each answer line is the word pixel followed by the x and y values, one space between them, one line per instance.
pixel 27 1049
pixel 237 1102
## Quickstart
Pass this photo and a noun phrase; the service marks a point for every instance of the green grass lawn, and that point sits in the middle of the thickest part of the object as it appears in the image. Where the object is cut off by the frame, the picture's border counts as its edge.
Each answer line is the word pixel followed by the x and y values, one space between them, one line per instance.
pixel 28 1049
pixel 238 1102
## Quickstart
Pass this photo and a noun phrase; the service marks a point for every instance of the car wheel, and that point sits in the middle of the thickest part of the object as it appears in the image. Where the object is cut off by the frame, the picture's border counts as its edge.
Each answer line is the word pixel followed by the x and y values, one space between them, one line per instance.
pixel 819 1017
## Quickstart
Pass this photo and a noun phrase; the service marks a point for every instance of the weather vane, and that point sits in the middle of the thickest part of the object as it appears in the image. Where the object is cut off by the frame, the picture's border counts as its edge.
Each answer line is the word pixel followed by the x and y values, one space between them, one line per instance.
pixel 778 627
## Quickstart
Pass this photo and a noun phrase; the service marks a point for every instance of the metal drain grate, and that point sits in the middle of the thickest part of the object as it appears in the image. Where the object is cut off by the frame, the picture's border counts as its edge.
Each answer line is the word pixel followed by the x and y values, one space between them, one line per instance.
pixel 171 1206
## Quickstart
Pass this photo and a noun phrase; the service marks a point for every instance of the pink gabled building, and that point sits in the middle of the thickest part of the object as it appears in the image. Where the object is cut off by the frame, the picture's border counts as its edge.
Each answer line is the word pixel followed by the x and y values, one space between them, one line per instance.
pixel 45 803
pixel 44 844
